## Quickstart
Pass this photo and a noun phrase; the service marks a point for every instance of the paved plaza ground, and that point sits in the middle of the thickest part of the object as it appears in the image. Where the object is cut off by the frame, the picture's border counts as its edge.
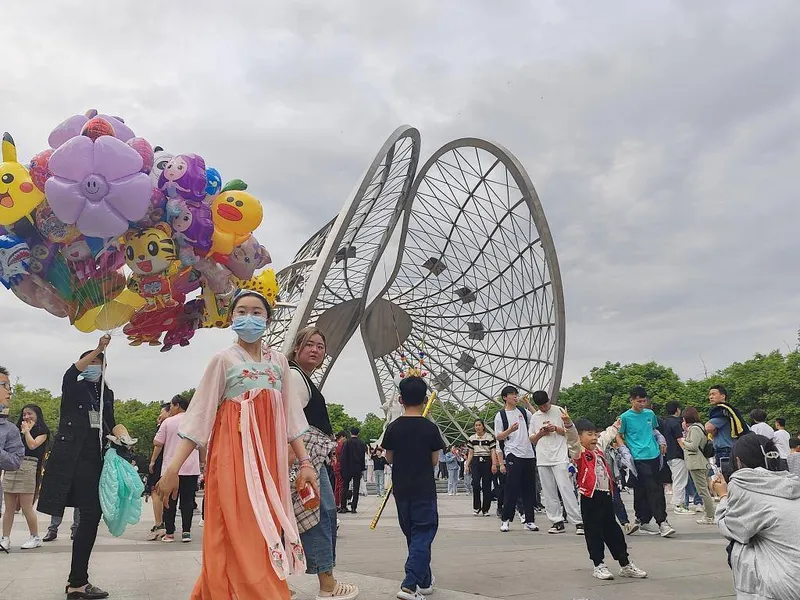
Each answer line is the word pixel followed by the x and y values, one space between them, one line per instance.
pixel 472 560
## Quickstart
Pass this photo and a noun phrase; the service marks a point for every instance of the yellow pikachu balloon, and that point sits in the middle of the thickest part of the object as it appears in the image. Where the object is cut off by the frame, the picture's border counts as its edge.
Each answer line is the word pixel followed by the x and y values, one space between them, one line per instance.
pixel 18 195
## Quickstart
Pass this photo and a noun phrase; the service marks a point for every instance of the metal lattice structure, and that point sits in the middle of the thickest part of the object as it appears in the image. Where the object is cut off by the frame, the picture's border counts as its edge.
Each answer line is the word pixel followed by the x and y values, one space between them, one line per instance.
pixel 476 284
pixel 328 281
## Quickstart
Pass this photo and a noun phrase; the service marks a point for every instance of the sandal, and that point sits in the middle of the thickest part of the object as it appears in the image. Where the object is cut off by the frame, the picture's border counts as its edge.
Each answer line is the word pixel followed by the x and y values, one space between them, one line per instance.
pixel 342 591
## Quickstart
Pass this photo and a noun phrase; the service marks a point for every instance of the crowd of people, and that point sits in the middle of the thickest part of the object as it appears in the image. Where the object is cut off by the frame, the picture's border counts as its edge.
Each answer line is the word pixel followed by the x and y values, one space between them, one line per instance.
pixel 256 435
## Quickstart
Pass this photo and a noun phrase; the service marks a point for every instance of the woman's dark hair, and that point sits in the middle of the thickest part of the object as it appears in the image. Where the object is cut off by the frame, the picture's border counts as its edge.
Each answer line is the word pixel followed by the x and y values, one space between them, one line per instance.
pixel 254 294
pixel 179 400
pixel 754 451
pixel 690 415
pixel 40 427
pixel 481 422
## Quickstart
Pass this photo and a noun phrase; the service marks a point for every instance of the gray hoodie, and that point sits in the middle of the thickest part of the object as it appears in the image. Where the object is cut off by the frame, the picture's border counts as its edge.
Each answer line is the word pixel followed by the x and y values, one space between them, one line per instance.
pixel 11 449
pixel 762 518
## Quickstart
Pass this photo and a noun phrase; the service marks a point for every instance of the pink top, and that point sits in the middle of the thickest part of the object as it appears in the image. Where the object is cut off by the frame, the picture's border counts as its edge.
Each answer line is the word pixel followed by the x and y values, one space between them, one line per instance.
pixel 168 437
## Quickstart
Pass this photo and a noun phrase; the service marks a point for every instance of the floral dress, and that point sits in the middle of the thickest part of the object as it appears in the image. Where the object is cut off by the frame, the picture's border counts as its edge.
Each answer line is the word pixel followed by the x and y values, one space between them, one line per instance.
pixel 247 411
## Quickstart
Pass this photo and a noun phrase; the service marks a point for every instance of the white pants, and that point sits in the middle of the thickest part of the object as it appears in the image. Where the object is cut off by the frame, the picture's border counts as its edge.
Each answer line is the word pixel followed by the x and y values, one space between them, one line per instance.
pixel 680 477
pixel 557 479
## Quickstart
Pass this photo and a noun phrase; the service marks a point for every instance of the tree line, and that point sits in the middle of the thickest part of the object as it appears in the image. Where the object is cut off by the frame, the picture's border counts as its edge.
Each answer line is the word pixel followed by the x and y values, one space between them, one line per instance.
pixel 769 381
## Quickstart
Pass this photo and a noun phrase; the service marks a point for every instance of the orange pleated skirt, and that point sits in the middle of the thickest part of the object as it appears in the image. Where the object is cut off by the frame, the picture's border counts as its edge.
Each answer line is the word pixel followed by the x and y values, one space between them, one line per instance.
pixel 236 563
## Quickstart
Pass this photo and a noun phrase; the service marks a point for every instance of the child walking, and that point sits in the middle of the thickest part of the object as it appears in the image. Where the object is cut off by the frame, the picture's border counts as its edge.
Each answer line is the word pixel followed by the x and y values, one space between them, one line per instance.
pixel 596 485
pixel 412 445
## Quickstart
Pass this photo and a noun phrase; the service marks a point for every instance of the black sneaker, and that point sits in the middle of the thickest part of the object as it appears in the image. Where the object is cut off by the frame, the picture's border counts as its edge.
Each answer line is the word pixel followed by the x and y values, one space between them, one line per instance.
pixel 50 536
pixel 557 528
pixel 579 529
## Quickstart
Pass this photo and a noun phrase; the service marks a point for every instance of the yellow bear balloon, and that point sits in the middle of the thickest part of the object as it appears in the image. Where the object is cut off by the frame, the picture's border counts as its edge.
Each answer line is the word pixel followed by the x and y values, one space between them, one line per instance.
pixel 236 215
pixel 18 195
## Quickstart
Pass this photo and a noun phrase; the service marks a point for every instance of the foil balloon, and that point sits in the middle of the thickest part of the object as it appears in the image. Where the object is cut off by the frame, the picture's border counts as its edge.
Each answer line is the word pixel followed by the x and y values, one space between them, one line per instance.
pixel 150 253
pixel 213 182
pixel 79 256
pixel 74 125
pixel 15 259
pixel 188 322
pixel 18 196
pixel 265 283
pixel 191 221
pixel 215 275
pixel 145 150
pixel 38 168
pixel 52 228
pixel 161 159
pixel 184 176
pixel 98 186
pixel 236 215
pixel 34 291
pixel 247 258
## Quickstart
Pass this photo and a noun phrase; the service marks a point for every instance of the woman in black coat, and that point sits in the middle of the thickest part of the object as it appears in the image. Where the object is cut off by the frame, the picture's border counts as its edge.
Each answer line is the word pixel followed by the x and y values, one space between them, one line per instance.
pixel 72 473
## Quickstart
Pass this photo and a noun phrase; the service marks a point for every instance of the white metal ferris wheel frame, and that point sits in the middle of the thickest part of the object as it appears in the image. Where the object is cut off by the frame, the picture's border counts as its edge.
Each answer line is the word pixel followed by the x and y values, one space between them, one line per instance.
pixel 338 296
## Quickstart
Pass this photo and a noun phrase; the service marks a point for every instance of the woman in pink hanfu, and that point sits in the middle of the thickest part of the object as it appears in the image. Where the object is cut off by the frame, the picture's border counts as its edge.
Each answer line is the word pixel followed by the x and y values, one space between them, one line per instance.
pixel 244 404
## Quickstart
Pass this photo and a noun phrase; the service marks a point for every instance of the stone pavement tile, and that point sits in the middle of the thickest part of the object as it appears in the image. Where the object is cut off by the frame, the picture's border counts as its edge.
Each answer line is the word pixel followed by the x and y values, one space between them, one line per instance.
pixel 374 588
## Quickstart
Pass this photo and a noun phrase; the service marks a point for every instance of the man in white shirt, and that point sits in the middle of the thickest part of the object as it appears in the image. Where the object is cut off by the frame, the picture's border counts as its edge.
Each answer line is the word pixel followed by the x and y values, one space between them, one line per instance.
pixel 759 416
pixel 552 460
pixel 511 431
pixel 781 438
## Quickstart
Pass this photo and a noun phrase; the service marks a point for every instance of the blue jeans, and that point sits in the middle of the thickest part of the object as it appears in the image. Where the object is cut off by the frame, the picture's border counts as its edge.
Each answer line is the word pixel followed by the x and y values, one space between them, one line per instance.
pixel 319 542
pixel 619 506
pixel 379 482
pixel 452 480
pixel 419 521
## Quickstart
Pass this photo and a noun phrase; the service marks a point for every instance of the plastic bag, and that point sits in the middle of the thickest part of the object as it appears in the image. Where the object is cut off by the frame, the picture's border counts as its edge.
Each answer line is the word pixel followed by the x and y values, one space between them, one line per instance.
pixel 121 491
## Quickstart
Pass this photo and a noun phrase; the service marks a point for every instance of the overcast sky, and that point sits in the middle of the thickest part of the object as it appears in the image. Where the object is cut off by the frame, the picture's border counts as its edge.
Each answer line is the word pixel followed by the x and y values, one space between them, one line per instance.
pixel 662 137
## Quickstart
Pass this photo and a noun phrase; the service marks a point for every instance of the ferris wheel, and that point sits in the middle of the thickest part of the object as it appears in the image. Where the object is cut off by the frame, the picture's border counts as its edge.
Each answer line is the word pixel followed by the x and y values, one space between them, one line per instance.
pixel 476 288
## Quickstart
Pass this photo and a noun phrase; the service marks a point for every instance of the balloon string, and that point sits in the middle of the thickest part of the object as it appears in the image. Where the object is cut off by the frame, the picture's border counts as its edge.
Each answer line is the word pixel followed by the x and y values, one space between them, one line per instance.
pixel 102 396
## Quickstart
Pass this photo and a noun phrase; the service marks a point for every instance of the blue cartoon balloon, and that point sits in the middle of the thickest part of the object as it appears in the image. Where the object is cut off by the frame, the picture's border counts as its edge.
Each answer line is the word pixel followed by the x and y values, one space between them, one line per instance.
pixel 15 257
pixel 214 181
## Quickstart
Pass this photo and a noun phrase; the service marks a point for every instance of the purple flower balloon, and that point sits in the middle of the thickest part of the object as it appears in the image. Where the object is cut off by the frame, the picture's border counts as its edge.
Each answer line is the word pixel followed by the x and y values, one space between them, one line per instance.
pixel 97 185
pixel 71 127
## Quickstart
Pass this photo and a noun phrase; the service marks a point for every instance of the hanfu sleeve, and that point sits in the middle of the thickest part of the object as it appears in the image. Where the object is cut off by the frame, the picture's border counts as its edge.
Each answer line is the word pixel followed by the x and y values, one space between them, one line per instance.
pixel 199 418
pixel 291 394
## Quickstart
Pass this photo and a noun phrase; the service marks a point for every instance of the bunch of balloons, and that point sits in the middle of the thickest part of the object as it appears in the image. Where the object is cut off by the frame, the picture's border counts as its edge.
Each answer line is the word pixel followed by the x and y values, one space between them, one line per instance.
pixel 108 231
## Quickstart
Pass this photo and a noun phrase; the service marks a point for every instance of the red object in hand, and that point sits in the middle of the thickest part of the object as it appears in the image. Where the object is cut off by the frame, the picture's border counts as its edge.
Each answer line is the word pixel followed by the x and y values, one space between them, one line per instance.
pixel 309 499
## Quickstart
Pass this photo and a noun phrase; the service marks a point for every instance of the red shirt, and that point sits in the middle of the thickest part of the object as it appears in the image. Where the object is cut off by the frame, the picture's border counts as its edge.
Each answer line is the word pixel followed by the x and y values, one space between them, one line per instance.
pixel 587 476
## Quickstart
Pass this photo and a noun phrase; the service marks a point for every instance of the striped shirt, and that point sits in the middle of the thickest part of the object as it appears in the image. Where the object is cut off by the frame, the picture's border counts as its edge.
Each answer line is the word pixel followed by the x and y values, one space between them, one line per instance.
pixel 482 446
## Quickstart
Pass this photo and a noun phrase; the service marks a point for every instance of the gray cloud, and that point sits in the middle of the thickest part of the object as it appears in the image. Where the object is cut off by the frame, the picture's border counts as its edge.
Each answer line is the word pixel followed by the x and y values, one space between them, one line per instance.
pixel 661 137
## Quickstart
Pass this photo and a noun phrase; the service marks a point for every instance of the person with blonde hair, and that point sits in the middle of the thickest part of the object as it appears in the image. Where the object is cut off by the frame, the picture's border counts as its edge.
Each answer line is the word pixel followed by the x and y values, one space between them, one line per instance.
pixel 317 525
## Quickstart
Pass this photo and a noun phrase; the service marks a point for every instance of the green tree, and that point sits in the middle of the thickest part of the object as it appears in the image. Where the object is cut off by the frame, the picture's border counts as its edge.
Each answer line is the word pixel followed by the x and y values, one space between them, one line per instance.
pixel 371 428
pixel 340 420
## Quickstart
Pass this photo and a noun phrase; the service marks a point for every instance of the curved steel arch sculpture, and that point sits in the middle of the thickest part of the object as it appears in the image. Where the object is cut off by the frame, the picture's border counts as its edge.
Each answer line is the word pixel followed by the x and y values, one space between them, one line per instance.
pixel 478 280
pixel 328 280
pixel 476 284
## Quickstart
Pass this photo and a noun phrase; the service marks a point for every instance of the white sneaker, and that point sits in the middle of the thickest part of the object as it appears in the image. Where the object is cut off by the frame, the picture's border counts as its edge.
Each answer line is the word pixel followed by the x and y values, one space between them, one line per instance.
pixel 33 542
pixel 680 509
pixel 202 522
pixel 531 527
pixel 5 543
pixel 405 594
pixel 631 570
pixel 706 521
pixel 477 513
pixel 665 530
pixel 428 590
pixel 601 572
pixel 630 528
pixel 504 527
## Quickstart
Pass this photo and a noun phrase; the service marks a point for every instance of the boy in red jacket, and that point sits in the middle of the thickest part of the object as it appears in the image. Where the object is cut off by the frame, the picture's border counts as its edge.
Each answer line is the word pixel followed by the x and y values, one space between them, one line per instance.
pixel 595 483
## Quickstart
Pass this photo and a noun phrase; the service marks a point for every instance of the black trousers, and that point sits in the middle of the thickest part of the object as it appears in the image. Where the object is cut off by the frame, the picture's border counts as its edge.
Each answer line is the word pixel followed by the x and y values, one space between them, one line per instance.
pixel 520 481
pixel 87 499
pixel 481 469
pixel 187 490
pixel 648 492
pixel 600 528
pixel 355 479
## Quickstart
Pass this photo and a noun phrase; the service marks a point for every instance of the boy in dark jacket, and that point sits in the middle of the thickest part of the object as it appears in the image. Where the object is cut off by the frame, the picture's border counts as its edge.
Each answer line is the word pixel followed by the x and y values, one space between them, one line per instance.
pixel 596 485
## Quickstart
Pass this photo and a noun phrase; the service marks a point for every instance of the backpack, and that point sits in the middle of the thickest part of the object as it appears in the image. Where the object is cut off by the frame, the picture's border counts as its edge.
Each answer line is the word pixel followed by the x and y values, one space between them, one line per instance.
pixel 504 419
pixel 707 449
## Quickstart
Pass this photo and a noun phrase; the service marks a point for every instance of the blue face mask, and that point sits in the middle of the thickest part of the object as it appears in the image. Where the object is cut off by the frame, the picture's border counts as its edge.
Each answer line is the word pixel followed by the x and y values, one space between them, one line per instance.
pixel 92 373
pixel 249 328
